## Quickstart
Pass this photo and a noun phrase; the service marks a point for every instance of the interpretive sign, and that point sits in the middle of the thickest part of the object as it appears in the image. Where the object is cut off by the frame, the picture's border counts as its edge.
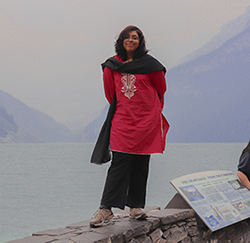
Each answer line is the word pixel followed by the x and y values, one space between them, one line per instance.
pixel 218 197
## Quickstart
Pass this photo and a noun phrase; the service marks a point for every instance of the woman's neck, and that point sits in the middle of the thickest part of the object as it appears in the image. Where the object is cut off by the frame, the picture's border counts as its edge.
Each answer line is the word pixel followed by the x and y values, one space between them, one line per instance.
pixel 130 57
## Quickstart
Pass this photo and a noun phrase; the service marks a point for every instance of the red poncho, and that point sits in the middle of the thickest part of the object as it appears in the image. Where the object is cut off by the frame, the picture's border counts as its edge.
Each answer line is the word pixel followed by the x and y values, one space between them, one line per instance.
pixel 138 125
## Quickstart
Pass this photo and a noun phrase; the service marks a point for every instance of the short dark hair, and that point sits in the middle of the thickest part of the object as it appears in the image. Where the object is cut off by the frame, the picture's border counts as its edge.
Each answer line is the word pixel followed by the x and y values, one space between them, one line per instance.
pixel 140 51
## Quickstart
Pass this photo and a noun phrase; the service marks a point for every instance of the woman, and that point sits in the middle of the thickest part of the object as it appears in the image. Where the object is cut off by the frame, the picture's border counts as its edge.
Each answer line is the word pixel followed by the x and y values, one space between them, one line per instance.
pixel 138 127
pixel 244 167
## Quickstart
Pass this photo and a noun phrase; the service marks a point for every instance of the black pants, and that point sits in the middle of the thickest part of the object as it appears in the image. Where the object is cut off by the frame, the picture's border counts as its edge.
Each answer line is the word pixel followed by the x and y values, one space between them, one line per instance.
pixel 126 181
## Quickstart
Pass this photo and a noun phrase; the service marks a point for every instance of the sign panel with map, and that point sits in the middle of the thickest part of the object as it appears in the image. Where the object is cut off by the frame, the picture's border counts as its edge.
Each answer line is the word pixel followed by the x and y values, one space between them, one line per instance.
pixel 218 197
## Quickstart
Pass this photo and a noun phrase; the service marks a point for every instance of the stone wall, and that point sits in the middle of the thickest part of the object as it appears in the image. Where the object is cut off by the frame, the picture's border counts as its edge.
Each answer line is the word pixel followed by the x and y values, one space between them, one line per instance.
pixel 162 226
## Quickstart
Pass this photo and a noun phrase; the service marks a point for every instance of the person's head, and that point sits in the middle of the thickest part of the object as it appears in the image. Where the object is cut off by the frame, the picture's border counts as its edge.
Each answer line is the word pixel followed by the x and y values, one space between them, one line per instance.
pixel 246 149
pixel 137 44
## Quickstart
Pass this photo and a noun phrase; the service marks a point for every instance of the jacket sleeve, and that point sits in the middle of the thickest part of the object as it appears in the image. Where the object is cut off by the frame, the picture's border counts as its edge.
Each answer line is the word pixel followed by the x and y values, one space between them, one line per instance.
pixel 159 81
pixel 108 82
pixel 244 164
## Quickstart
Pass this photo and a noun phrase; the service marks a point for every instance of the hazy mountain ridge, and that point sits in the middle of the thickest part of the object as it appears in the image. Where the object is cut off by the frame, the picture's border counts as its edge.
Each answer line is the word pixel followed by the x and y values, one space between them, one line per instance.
pixel 7 123
pixel 208 97
pixel 20 123
pixel 228 31
pixel 92 130
pixel 217 83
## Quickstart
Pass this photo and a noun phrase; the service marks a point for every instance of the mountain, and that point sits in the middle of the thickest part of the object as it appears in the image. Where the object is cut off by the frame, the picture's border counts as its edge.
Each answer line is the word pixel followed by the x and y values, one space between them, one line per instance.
pixel 92 130
pixel 228 31
pixel 208 96
pixel 7 123
pixel 20 123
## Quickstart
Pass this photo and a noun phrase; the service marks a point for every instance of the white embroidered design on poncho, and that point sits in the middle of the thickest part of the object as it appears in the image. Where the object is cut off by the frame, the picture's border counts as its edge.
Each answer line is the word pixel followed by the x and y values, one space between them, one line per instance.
pixel 128 81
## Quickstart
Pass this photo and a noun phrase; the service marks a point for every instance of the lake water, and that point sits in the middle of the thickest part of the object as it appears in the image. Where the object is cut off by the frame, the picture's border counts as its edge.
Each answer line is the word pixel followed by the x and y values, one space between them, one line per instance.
pixel 48 186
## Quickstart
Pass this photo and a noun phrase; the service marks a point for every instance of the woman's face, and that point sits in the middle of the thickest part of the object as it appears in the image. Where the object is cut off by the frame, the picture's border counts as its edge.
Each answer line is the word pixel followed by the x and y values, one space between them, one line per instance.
pixel 131 42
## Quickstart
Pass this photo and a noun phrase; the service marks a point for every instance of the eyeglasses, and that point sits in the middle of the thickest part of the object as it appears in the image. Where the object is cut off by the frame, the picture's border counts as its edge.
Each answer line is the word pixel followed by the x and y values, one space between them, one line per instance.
pixel 127 37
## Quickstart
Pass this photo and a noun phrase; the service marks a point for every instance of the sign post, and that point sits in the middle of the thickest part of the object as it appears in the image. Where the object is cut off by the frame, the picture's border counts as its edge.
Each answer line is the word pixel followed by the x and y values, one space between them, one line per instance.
pixel 218 197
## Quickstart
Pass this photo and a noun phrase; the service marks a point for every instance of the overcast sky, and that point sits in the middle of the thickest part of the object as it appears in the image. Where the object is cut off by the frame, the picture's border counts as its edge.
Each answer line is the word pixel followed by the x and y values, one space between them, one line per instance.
pixel 51 50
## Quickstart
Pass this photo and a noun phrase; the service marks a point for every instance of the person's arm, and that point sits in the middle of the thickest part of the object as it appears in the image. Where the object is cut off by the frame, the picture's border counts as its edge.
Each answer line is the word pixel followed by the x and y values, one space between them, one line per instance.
pixel 108 82
pixel 159 81
pixel 244 180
